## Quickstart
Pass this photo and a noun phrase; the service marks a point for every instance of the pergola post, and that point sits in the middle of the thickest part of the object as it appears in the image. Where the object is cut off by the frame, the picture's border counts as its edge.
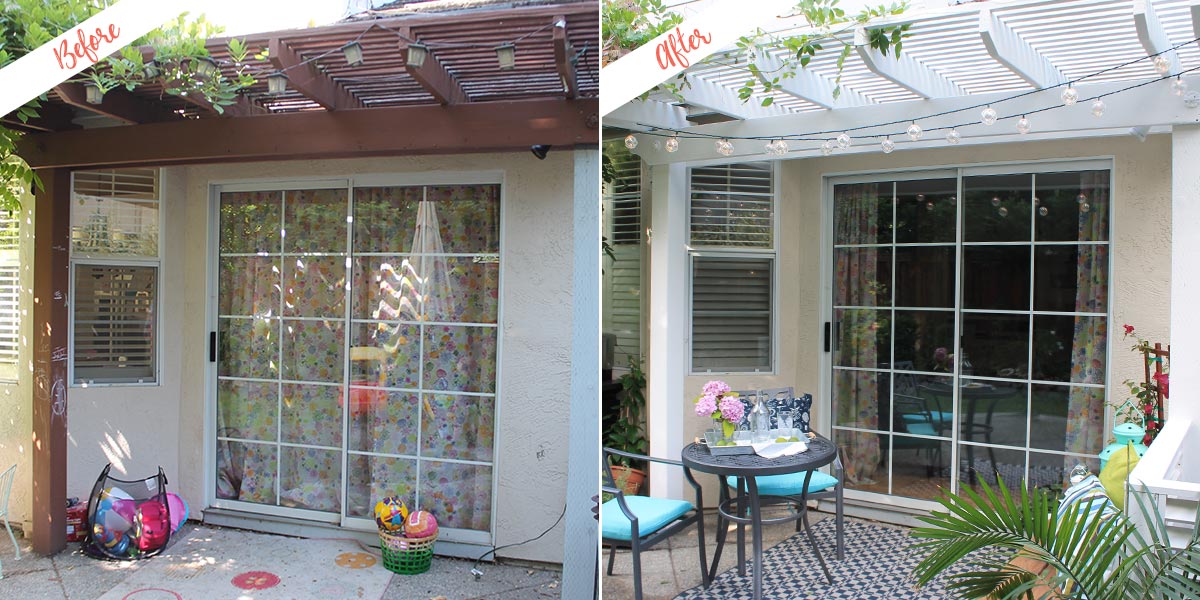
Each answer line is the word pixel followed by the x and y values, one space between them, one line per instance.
pixel 51 279
pixel 668 324
pixel 1185 274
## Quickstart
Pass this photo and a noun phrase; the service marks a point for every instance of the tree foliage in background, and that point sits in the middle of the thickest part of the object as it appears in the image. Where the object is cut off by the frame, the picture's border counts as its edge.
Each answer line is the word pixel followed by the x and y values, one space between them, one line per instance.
pixel 178 47
pixel 630 24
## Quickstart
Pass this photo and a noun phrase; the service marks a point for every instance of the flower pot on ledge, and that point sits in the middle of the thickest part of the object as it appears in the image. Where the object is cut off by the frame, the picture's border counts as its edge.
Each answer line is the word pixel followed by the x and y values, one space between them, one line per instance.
pixel 630 480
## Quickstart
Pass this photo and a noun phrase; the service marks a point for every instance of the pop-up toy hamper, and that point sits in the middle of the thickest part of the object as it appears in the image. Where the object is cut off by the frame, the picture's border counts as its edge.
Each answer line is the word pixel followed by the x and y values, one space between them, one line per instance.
pixel 128 520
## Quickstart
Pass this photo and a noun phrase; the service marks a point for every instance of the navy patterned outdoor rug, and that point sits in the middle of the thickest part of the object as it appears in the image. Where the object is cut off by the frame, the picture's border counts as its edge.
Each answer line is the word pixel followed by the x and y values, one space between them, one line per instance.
pixel 878 566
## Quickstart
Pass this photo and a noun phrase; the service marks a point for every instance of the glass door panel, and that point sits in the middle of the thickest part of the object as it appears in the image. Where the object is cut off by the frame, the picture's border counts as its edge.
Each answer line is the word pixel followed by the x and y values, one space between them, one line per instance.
pixel 949 371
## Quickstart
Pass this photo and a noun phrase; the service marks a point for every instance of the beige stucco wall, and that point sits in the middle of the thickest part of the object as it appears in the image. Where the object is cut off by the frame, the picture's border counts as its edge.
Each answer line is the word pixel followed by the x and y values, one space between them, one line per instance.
pixel 16 424
pixel 164 424
pixel 1141 227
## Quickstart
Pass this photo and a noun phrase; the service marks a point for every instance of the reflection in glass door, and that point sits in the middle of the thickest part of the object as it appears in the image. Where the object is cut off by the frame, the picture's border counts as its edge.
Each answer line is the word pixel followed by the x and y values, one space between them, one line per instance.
pixel 1017 271
pixel 357 351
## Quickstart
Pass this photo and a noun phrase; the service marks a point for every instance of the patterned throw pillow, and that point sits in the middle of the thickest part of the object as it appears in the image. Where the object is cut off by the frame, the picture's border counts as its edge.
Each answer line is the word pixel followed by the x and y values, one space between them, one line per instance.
pixel 800 406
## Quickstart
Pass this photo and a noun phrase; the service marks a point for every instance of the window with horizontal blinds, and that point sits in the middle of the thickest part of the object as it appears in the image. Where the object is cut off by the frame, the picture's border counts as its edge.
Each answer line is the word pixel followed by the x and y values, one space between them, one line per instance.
pixel 115 213
pixel 732 206
pixel 622 316
pixel 731 313
pixel 114 311
pixel 10 295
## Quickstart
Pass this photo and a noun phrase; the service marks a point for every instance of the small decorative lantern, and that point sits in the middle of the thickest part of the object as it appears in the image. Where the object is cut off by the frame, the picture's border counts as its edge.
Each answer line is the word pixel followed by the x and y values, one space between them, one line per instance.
pixel 354 54
pixel 417 54
pixel 94 95
pixel 1125 433
pixel 506 54
pixel 206 67
pixel 276 83
pixel 150 70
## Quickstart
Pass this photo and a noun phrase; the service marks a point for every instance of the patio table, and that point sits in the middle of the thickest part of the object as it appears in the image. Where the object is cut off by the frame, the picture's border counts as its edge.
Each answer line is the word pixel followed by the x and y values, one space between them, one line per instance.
pixel 747 467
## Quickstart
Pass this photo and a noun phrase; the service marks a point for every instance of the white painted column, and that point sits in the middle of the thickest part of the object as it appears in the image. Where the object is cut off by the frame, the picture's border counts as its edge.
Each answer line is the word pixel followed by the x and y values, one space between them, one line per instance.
pixel 1185 274
pixel 668 324
pixel 580 544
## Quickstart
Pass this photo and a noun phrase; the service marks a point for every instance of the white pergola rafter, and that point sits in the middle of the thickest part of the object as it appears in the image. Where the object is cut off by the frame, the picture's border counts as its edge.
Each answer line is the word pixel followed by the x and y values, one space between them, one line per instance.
pixel 702 93
pixel 1194 11
pixel 904 70
pixel 1151 34
pixel 1149 105
pixel 810 86
pixel 639 115
pixel 1010 50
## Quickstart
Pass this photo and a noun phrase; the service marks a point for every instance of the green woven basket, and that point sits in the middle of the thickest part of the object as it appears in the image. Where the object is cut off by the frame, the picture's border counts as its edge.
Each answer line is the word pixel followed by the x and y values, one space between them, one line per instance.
pixel 406 556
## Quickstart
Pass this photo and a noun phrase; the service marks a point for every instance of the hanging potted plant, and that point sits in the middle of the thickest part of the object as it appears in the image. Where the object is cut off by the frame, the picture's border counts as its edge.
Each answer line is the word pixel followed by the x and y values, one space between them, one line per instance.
pixel 625 431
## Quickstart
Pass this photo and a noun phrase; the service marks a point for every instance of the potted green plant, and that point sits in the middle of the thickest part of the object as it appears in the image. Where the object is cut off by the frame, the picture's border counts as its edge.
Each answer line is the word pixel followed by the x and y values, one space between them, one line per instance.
pixel 624 429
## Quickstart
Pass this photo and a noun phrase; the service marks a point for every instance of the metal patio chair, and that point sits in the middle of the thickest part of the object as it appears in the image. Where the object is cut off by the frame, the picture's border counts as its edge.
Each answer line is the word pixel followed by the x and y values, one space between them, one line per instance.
pixel 639 522
pixel 6 481
pixel 822 486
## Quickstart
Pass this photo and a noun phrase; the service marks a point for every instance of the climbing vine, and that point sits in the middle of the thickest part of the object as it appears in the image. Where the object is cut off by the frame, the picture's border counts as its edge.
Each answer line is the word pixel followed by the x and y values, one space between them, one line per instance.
pixel 176 62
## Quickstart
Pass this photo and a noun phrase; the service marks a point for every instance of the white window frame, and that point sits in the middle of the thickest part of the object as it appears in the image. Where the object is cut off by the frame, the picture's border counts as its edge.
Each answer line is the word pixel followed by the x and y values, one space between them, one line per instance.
pixel 825 378
pixel 737 252
pixel 121 261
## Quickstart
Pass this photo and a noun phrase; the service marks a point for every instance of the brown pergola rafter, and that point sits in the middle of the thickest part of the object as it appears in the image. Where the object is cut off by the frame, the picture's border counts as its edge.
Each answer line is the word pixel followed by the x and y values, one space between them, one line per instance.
pixel 117 104
pixel 565 57
pixel 309 80
pixel 432 76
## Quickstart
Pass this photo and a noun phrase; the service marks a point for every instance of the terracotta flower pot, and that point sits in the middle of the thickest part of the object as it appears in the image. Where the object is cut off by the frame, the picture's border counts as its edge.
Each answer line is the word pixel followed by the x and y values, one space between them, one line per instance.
pixel 628 479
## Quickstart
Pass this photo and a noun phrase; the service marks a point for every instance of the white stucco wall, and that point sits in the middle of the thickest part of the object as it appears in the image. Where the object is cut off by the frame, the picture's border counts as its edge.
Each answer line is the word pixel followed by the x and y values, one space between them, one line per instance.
pixel 16 424
pixel 1141 228
pixel 145 427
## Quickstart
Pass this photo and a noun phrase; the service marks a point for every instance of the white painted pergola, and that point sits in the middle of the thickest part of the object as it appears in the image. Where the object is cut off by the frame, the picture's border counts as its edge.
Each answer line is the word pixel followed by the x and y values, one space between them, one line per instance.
pixel 957 57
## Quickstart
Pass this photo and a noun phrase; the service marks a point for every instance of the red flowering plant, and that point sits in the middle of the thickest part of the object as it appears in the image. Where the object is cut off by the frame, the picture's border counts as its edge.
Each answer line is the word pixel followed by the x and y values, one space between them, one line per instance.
pixel 1143 406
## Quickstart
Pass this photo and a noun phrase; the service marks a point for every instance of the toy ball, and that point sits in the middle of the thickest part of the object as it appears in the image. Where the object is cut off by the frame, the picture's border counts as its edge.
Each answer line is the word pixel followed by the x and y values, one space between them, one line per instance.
pixel 390 513
pixel 115 493
pixel 119 546
pixel 115 522
pixel 420 524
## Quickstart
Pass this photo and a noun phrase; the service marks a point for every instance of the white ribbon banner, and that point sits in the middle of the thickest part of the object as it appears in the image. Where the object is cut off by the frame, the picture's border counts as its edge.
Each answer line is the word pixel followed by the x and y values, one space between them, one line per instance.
pixel 81 47
pixel 672 52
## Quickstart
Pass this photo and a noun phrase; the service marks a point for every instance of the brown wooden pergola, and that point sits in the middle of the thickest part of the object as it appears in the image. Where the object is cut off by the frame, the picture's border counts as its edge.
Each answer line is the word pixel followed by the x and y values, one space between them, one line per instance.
pixel 458 100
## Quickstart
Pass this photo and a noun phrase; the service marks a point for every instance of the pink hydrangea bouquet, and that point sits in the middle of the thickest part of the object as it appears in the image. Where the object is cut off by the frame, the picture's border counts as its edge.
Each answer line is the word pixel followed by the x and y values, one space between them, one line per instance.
pixel 717 401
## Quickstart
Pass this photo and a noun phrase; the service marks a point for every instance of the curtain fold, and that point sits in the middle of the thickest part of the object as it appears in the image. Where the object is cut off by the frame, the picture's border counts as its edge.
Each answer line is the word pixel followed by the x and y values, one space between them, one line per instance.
pixel 857 399
pixel 1085 408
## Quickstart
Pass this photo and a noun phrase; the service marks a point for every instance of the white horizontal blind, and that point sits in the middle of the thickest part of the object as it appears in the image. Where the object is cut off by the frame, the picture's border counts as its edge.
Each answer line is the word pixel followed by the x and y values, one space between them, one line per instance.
pixel 115 213
pixel 731 313
pixel 732 206
pixel 623 273
pixel 10 294
pixel 114 323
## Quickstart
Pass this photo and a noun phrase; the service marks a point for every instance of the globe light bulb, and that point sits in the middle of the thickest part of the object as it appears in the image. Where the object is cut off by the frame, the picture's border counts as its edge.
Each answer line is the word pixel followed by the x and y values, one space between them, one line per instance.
pixel 953 137
pixel 988 116
pixel 888 145
pixel 1085 207
pixel 631 142
pixel 1178 86
pixel 995 200
pixel 914 131
pixel 1098 107
pixel 725 147
pixel 1070 96
pixel 672 144
pixel 1023 125
pixel 827 147
pixel 1043 211
pixel 929 205
pixel 1161 64
pixel 1002 212
pixel 843 141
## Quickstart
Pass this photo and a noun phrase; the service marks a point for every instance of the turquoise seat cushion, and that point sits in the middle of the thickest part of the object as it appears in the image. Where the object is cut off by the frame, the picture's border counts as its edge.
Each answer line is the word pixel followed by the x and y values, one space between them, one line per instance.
pixel 652 514
pixel 789 484
pixel 921 429
pixel 938 416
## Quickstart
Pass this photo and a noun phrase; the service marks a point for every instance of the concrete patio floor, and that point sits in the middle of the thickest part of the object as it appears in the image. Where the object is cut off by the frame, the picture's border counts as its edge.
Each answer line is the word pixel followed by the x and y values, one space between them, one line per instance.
pixel 674 566
pixel 72 575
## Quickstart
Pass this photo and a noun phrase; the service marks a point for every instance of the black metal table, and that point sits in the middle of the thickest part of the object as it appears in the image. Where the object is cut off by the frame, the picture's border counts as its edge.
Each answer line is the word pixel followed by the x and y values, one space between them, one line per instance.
pixel 746 507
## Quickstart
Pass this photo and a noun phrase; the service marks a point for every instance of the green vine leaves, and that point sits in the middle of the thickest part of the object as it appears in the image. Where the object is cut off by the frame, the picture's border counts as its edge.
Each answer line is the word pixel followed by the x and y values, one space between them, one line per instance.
pixel 629 24
pixel 178 51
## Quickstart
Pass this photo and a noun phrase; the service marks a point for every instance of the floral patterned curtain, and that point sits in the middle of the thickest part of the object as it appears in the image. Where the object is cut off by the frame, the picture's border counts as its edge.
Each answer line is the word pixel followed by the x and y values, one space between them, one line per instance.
pixel 1085 410
pixel 856 393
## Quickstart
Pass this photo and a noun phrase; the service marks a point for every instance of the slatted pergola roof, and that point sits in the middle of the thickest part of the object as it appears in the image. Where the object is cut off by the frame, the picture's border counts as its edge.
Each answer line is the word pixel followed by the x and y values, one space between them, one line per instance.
pixel 957 56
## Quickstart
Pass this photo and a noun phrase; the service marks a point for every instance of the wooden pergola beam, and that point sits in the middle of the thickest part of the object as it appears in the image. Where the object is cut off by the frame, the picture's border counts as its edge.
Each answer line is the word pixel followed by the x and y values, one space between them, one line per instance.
pixel 117 104
pixel 454 129
pixel 51 117
pixel 564 58
pixel 431 75
pixel 309 80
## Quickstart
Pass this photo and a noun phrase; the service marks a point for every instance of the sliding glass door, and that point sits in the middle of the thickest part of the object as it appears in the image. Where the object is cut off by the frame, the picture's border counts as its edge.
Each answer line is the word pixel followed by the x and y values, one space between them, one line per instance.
pixel 970 317
pixel 357 351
